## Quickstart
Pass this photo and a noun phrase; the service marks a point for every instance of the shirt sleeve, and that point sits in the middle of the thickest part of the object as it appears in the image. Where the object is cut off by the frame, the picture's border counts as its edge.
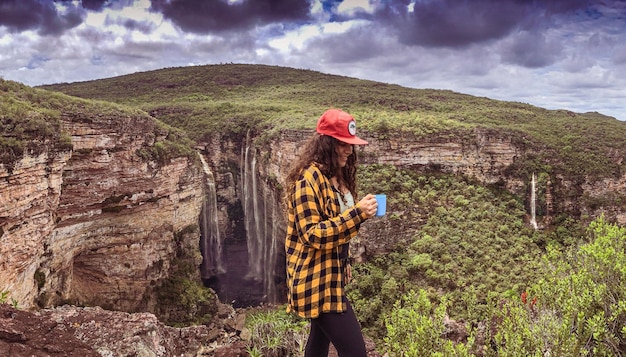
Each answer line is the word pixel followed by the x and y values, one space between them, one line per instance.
pixel 313 215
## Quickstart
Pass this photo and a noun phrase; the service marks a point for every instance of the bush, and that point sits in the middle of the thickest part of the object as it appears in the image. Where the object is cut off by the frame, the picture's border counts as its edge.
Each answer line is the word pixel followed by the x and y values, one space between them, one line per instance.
pixel 183 301
pixel 416 328
pixel 585 290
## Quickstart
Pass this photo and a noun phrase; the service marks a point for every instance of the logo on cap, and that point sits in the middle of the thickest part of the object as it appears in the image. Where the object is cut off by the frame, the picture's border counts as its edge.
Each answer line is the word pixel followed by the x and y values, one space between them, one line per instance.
pixel 352 127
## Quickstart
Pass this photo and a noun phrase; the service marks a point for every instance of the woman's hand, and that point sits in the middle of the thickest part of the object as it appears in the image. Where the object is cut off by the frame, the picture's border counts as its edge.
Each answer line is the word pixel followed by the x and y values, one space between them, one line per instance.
pixel 368 205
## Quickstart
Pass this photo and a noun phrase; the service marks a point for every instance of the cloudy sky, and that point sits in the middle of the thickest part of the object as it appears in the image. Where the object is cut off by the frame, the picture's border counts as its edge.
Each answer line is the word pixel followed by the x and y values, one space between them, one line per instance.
pixel 556 54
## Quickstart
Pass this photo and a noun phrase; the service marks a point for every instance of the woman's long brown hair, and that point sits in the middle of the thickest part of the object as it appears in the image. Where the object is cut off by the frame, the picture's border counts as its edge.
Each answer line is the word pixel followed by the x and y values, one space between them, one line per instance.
pixel 320 149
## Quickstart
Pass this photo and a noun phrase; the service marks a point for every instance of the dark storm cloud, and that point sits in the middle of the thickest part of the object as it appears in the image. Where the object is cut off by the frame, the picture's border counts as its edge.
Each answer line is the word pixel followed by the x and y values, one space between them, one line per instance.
pixel 357 44
pixel 531 50
pixel 459 23
pixel 218 15
pixel 94 5
pixel 145 27
pixel 41 16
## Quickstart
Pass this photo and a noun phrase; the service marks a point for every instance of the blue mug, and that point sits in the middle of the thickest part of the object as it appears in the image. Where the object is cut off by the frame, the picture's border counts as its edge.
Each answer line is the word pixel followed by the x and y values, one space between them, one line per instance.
pixel 381 199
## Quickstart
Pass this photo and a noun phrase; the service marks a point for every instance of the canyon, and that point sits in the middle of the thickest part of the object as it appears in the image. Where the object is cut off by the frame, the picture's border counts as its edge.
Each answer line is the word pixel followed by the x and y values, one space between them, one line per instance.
pixel 100 226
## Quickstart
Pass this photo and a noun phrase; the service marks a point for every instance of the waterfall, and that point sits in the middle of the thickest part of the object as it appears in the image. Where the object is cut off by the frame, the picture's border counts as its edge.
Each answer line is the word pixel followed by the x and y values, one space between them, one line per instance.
pixel 272 250
pixel 261 223
pixel 210 239
pixel 251 213
pixel 533 202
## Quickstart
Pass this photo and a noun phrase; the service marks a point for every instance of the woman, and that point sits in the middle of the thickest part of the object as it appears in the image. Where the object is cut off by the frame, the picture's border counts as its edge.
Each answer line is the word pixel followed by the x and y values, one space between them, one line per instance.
pixel 322 219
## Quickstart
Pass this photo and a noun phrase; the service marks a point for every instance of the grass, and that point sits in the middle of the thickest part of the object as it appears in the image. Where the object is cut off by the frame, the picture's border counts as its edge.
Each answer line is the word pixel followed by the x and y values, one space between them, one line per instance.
pixel 29 122
pixel 275 333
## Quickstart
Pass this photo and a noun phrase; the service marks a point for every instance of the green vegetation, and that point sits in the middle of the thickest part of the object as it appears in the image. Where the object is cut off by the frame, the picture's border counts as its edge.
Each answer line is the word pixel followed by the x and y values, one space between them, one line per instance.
pixel 578 308
pixel 4 294
pixel 171 143
pixel 472 242
pixel 182 299
pixel 29 122
pixel 415 328
pixel 4 297
pixel 275 333
pixel 40 279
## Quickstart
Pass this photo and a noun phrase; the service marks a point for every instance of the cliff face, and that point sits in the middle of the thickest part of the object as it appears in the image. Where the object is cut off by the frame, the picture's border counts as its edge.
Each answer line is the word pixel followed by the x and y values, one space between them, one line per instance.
pixel 29 198
pixel 97 225
pixel 486 158
pixel 251 221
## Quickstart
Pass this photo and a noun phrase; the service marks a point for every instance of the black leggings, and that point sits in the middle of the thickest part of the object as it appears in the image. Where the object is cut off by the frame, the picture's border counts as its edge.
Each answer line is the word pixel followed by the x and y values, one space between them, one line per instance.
pixel 342 329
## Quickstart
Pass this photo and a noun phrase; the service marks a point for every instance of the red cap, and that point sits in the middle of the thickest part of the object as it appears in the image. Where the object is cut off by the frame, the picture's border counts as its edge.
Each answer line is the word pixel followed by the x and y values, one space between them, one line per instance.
pixel 340 125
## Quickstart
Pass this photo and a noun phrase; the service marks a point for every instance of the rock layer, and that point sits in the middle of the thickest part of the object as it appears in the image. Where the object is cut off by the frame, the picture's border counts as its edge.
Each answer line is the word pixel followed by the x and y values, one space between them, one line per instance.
pixel 95 225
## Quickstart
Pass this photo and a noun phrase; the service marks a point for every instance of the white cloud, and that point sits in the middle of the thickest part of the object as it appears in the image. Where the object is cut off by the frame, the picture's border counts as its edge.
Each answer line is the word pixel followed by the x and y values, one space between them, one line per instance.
pixel 295 39
pixel 349 7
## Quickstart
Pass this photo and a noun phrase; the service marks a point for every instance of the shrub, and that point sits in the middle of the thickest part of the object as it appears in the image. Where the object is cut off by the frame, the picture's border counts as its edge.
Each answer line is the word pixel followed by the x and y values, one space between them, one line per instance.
pixel 416 328
pixel 585 290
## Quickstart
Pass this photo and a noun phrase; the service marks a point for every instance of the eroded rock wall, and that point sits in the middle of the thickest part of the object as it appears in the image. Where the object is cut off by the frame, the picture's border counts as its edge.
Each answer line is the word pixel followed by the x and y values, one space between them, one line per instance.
pixel 98 225
pixel 29 199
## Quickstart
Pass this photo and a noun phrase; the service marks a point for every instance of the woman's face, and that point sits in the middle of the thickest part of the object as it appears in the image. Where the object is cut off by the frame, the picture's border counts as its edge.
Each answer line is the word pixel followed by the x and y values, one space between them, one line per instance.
pixel 343 150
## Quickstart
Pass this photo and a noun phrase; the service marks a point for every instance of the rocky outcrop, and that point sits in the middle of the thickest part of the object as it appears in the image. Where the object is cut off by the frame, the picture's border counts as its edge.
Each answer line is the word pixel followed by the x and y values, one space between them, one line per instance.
pixel 29 199
pixel 484 156
pixel 606 197
pixel 93 331
pixel 98 225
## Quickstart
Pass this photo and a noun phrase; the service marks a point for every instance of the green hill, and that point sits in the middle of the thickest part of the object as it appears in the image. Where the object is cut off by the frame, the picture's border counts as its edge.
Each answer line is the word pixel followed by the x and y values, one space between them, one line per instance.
pixel 236 97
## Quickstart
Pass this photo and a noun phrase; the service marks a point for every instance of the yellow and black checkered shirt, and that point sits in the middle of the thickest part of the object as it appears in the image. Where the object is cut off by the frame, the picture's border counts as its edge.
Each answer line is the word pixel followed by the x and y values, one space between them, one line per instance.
pixel 316 232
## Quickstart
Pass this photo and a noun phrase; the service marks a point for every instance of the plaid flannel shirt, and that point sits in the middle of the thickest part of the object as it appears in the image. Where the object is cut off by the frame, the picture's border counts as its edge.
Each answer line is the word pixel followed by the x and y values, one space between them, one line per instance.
pixel 316 232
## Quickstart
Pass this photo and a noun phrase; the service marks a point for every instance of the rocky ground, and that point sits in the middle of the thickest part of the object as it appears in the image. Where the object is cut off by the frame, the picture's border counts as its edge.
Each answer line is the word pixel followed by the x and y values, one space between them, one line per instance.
pixel 92 331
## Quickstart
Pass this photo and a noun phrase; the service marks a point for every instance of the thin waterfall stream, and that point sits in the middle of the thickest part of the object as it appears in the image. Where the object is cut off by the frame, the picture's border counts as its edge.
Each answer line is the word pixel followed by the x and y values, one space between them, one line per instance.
pixel 533 202
pixel 262 225
pixel 210 241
